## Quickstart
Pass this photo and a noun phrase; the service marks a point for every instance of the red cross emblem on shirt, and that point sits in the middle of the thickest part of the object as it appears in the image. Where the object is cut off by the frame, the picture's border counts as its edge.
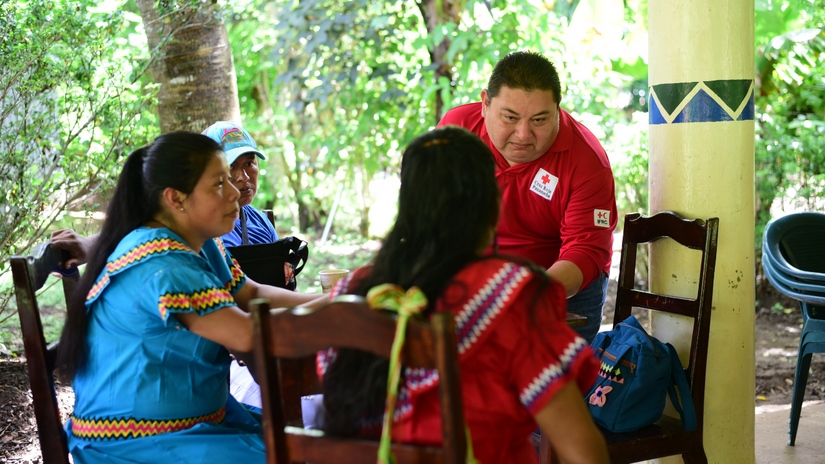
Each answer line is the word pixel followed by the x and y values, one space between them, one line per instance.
pixel 545 179
pixel 601 215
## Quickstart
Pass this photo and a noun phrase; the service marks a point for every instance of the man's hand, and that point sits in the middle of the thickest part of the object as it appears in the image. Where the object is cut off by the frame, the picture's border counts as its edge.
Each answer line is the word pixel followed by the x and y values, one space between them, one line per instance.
pixel 568 274
pixel 78 246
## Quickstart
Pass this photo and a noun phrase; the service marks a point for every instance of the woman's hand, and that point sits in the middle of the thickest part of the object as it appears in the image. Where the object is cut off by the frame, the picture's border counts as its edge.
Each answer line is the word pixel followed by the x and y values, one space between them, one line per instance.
pixel 278 297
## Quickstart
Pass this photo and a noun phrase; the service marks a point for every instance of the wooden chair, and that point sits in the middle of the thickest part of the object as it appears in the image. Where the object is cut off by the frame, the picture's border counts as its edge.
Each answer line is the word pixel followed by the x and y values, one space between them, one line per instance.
pixel 348 322
pixel 666 437
pixel 30 273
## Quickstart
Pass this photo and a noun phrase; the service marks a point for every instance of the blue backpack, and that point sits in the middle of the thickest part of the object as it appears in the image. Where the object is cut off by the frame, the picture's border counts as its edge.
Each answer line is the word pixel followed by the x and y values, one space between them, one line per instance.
pixel 635 374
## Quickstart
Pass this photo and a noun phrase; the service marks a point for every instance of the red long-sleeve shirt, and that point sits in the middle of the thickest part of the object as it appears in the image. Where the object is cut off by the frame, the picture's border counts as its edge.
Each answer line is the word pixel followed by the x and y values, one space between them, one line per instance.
pixel 561 206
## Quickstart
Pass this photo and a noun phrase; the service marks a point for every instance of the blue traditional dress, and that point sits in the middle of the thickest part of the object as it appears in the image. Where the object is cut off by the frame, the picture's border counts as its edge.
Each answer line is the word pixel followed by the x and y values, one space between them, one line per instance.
pixel 152 391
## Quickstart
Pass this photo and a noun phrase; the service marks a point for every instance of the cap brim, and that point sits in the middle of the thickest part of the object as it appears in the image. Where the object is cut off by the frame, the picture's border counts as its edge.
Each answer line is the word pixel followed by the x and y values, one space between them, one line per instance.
pixel 233 154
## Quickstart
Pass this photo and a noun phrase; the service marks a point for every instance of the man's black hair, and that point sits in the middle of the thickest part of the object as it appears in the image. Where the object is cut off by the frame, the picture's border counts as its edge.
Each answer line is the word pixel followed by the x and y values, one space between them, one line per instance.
pixel 525 70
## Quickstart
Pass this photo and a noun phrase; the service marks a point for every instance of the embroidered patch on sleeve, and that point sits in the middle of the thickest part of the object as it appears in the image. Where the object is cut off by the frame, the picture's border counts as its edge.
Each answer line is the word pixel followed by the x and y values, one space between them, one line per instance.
pixel 601 217
pixel 544 184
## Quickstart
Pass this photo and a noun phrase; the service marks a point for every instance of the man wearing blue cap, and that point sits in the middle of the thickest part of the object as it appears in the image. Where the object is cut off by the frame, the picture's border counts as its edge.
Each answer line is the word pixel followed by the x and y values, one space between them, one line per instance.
pixel 242 154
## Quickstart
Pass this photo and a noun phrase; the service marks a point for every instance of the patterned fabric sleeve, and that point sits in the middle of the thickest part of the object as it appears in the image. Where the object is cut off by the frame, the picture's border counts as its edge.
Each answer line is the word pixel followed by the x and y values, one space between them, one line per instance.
pixel 235 278
pixel 188 288
pixel 546 354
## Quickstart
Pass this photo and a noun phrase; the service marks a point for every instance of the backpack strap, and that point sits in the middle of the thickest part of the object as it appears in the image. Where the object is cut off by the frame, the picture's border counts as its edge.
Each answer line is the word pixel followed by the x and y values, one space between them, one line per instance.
pixel 678 381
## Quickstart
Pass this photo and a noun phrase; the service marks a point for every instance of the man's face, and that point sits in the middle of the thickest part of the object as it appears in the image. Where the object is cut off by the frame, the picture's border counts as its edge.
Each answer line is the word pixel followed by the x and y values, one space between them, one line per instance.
pixel 522 125
pixel 243 172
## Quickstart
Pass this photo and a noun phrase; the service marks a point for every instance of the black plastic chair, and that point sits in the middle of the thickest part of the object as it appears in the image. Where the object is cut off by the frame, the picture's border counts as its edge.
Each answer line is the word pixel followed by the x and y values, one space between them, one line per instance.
pixel 793 259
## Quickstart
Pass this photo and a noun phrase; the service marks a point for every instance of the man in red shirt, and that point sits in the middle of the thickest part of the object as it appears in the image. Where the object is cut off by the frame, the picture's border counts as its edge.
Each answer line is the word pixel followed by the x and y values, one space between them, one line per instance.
pixel 558 204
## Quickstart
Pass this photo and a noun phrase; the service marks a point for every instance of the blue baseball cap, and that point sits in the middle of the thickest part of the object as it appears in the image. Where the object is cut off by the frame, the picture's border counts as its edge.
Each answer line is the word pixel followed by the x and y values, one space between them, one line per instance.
pixel 234 139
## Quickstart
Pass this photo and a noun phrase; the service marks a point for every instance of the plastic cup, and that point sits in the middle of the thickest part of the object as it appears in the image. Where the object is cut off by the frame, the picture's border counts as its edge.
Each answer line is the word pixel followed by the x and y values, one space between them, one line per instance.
pixel 329 277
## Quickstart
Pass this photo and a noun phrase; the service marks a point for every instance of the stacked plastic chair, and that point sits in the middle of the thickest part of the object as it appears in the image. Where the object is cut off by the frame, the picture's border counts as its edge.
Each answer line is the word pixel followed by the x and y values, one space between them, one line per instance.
pixel 793 258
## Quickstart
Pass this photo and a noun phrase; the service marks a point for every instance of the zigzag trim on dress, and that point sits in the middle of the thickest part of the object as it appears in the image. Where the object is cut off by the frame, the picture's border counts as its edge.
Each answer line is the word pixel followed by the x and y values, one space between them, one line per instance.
pixel 550 374
pixel 132 257
pixel 127 427
pixel 200 302
pixel 478 313
pixel 238 278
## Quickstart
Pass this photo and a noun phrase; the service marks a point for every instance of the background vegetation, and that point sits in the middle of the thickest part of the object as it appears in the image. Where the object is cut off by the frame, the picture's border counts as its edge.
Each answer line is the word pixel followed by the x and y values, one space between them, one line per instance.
pixel 332 90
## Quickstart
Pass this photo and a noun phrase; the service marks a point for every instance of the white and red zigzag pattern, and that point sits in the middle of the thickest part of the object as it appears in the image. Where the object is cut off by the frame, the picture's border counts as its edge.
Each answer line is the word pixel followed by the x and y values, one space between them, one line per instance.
pixel 552 373
pixel 480 311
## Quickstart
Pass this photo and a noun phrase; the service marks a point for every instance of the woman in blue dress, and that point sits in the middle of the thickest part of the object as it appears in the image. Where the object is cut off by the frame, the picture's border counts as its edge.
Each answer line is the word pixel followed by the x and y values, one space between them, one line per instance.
pixel 161 300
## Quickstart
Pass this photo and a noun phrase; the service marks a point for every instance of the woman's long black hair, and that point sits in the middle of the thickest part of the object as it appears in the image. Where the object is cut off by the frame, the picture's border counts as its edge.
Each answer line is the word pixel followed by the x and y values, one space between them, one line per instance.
pixel 176 160
pixel 447 208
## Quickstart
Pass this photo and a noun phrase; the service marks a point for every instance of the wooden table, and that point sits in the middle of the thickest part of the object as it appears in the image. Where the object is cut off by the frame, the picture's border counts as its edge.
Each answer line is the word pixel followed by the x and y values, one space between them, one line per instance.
pixel 574 320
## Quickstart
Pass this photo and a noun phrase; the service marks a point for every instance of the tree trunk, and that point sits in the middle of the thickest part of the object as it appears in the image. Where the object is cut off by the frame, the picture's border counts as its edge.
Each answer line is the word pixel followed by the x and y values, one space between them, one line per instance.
pixel 435 13
pixel 195 68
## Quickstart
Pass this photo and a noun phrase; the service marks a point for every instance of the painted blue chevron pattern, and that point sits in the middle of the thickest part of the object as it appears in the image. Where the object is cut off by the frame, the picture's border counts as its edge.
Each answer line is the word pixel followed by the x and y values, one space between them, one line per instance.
pixel 480 311
pixel 551 373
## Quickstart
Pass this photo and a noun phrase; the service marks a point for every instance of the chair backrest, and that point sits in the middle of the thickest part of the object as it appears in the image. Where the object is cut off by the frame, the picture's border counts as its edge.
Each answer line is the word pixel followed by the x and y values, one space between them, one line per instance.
pixel 348 322
pixel 30 273
pixel 793 259
pixel 270 215
pixel 695 234
pixel 794 244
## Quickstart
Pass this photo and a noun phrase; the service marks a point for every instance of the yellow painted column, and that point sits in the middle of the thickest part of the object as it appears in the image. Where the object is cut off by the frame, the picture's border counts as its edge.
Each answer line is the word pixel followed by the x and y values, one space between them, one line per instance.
pixel 701 165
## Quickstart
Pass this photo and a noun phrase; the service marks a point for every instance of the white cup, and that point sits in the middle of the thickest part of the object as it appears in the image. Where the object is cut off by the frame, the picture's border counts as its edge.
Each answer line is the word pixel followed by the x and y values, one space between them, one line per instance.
pixel 329 277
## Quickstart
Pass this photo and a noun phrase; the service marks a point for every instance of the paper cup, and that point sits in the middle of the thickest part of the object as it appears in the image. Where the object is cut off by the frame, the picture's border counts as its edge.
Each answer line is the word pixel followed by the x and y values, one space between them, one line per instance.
pixel 330 276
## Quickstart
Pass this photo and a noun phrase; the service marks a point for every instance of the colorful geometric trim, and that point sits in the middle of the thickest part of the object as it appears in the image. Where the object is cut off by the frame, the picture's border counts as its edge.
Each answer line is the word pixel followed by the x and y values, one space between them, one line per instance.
pixel 611 373
pixel 134 256
pixel 541 383
pixel 480 311
pixel 98 287
pixel 415 381
pixel 219 242
pixel 403 404
pixel 199 302
pixel 418 379
pixel 127 427
pixel 140 252
pixel 238 278
pixel 704 101
pixel 323 359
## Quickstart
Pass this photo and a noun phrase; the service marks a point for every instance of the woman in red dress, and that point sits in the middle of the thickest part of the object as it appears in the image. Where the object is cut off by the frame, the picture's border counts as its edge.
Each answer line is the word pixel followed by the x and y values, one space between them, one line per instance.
pixel 521 365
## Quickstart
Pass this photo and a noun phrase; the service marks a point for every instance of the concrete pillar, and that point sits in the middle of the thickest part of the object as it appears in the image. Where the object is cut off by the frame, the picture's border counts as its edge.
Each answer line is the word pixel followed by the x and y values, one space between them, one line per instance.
pixel 701 166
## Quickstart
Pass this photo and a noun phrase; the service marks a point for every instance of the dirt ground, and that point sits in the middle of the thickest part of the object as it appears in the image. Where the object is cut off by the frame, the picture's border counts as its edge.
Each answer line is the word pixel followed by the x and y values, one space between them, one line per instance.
pixel 778 323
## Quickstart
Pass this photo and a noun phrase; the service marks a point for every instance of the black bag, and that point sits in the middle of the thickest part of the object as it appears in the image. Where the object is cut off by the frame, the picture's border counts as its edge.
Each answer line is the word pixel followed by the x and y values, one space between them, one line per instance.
pixel 275 263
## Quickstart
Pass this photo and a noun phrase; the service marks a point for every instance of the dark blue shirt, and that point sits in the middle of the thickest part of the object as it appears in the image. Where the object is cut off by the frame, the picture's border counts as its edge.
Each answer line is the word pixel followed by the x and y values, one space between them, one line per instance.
pixel 258 227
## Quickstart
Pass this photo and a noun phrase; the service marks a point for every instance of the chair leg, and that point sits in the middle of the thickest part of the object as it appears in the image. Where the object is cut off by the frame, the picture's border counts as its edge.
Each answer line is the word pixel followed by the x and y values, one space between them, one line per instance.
pixel 695 456
pixel 799 383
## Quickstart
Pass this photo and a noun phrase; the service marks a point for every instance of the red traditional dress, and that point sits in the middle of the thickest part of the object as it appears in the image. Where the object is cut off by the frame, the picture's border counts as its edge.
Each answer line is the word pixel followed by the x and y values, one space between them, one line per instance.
pixel 513 359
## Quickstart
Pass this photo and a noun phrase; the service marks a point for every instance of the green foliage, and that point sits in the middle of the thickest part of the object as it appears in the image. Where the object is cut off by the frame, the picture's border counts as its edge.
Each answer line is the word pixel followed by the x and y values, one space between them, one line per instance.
pixel 790 105
pixel 333 90
pixel 70 100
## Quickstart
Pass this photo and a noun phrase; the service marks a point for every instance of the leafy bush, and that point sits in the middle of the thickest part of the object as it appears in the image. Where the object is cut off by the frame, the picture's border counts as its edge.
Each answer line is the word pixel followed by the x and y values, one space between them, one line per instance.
pixel 70 101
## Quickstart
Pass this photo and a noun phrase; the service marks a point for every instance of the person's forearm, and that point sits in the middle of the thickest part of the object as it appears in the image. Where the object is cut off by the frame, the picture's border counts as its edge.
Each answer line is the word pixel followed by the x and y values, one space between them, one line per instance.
pixel 280 297
pixel 568 274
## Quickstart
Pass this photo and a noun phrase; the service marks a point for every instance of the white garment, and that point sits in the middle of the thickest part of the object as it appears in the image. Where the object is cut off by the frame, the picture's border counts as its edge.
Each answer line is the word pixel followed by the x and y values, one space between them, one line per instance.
pixel 242 386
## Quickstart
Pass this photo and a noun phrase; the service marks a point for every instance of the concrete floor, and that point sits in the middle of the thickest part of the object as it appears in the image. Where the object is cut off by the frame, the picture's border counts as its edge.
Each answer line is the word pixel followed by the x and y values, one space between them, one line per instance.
pixel 772 435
